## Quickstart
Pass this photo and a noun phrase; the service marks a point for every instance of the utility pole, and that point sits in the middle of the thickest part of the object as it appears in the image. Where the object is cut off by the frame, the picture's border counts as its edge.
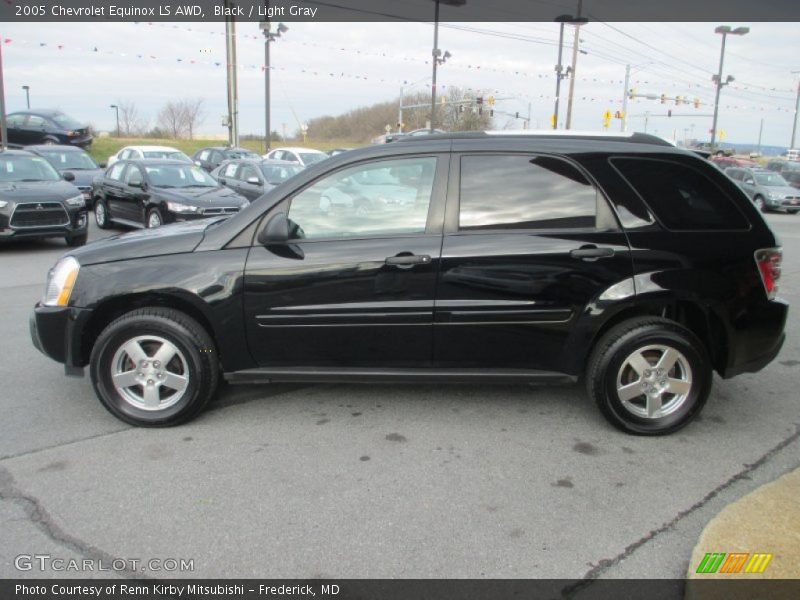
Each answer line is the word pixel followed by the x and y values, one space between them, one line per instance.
pixel 559 66
pixel 760 131
pixel 575 45
pixel 3 130
pixel 116 111
pixel 623 125
pixel 796 107
pixel 233 95
pixel 269 37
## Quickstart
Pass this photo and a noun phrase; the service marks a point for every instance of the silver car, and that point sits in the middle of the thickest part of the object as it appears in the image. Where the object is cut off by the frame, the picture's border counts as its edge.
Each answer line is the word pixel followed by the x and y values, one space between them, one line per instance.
pixel 768 190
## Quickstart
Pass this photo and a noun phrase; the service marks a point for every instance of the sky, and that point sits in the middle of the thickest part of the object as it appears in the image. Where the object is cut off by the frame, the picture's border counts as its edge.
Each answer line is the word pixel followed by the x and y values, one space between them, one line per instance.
pixel 330 68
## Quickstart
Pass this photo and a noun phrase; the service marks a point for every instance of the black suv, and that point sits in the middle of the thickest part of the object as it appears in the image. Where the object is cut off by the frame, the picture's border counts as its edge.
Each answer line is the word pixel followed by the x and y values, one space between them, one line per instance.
pixel 213 156
pixel 36 202
pixel 623 261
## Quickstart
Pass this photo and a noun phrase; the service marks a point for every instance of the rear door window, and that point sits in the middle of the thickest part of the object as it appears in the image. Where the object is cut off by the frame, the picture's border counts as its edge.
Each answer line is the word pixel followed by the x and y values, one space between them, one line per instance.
pixel 115 172
pixel 524 192
pixel 682 198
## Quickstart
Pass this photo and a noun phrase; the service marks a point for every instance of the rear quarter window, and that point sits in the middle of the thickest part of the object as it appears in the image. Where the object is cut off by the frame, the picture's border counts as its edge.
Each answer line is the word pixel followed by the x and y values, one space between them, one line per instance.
pixel 682 197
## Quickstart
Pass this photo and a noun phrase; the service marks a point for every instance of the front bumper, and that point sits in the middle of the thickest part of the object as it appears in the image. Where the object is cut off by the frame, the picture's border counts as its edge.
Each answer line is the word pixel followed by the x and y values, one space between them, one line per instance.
pixel 56 331
pixel 77 224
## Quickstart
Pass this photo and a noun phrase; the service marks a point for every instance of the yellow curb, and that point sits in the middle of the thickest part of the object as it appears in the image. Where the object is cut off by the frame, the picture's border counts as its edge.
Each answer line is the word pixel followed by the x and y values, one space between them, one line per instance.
pixel 765 521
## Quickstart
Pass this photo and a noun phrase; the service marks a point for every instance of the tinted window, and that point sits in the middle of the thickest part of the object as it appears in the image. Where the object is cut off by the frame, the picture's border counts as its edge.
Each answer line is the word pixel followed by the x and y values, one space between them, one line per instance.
pixel 247 172
pixel 179 176
pixel 15 120
pixel 66 122
pixel 69 159
pixel 133 176
pixel 339 205
pixel 115 172
pixel 35 121
pixel 524 192
pixel 230 170
pixel 682 198
pixel 276 174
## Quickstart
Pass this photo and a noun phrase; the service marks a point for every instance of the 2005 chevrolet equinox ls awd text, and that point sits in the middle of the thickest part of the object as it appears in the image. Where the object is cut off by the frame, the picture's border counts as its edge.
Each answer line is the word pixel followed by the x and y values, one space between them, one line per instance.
pixel 620 260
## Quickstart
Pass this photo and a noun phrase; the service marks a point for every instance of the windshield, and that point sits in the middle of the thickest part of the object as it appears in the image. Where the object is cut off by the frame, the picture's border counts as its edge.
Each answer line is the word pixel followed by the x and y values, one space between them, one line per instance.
pixel 69 160
pixel 173 154
pixel 66 122
pixel 179 176
pixel 27 168
pixel 241 154
pixel 311 157
pixel 770 180
pixel 275 174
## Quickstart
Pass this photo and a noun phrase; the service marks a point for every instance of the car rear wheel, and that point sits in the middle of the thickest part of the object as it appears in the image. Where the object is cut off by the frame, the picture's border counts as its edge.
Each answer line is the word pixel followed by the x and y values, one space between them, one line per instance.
pixel 649 376
pixel 154 218
pixel 154 367
pixel 101 213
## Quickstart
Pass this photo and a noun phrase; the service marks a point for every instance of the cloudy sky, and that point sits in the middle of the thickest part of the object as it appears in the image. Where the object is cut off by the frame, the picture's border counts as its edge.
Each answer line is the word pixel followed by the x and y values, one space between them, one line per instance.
pixel 329 68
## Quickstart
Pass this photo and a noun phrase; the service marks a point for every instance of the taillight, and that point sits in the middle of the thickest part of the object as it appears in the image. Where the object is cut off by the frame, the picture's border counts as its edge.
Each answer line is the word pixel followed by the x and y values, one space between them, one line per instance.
pixel 769 266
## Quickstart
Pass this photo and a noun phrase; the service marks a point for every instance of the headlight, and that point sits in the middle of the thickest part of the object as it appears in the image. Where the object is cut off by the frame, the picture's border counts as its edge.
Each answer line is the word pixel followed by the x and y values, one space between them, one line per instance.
pixel 60 281
pixel 3 203
pixel 181 208
pixel 76 200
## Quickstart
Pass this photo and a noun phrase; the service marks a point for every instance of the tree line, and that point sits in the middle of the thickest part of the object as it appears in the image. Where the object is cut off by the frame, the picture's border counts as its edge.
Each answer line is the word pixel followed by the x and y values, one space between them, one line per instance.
pixel 177 119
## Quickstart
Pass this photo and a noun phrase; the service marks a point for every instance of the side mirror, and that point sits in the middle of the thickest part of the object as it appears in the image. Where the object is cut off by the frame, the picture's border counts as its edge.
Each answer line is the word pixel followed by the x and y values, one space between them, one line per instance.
pixel 276 231
pixel 103 165
pixel 254 181
pixel 749 181
pixel 68 176
pixel 198 163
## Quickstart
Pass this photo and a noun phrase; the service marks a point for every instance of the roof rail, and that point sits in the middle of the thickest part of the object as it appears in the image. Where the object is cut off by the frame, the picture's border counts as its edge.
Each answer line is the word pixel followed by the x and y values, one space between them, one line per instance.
pixel 632 137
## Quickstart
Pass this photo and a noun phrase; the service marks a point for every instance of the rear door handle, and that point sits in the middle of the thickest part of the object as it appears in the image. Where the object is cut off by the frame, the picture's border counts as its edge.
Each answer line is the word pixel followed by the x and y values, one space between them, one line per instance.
pixel 591 253
pixel 406 261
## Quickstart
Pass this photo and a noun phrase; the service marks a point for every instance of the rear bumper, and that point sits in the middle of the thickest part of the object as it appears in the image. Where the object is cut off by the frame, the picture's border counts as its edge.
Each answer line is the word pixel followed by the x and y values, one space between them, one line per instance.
pixel 760 340
pixel 56 333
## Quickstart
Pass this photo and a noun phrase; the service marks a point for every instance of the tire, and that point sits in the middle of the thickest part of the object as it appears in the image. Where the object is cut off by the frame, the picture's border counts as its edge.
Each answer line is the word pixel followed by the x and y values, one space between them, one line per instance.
pixel 74 241
pixel 792 212
pixel 142 335
pixel 760 204
pixel 611 367
pixel 49 142
pixel 101 216
pixel 153 219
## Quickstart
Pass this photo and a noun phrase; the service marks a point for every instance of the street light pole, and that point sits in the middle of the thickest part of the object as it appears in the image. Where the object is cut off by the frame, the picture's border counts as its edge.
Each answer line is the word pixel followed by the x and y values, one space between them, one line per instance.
pixel 116 109
pixel 724 30
pixel 796 107
pixel 27 89
pixel 3 130
pixel 435 61
pixel 269 37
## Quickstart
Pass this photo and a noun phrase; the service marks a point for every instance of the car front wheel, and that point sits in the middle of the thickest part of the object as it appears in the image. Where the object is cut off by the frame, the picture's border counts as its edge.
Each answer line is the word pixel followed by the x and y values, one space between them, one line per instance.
pixel 649 376
pixel 154 367
pixel 760 204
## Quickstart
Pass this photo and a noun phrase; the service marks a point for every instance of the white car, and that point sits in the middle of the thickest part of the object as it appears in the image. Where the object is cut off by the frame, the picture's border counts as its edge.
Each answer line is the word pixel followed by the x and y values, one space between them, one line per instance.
pixel 300 156
pixel 137 152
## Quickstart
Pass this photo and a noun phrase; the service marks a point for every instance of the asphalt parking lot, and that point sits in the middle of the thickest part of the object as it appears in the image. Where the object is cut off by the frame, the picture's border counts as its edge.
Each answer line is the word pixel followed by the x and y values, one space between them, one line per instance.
pixel 352 481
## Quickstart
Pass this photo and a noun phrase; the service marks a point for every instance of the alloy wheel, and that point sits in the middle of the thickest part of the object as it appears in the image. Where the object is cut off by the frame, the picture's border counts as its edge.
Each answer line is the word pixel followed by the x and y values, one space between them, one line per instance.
pixel 654 381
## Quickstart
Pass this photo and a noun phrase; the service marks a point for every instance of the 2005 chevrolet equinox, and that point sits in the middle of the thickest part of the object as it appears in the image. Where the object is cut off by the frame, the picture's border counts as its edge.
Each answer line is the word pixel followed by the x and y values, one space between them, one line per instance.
pixel 620 260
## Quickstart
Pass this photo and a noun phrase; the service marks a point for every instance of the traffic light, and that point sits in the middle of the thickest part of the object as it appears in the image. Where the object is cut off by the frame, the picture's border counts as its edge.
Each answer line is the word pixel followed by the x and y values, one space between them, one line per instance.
pixel 490 101
pixel 697 102
pixel 663 98
pixel 553 120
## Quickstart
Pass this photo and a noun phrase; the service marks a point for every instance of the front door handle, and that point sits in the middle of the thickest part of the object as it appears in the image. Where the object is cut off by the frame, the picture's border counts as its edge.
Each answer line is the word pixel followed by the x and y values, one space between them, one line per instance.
pixel 407 261
pixel 591 253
